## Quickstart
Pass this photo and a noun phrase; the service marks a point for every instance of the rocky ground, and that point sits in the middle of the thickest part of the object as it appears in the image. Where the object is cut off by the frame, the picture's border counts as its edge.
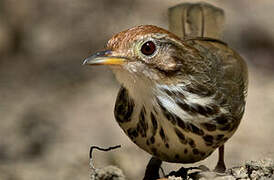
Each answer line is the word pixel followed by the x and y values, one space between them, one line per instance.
pixel 252 170
pixel 53 109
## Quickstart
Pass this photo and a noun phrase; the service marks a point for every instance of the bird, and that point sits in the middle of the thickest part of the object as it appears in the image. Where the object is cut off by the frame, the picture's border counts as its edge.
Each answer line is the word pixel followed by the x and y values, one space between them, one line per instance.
pixel 180 98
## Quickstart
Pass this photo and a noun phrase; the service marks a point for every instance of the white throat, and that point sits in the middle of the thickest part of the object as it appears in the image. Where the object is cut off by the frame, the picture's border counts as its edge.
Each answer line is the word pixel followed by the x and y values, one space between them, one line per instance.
pixel 140 87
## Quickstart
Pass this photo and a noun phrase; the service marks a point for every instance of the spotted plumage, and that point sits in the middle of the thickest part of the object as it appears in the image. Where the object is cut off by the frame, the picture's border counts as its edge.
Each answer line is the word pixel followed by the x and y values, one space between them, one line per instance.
pixel 124 106
pixel 181 100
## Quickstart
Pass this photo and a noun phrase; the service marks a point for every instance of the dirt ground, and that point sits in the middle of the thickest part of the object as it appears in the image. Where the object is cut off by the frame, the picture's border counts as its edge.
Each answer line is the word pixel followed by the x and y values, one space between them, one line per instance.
pixel 53 109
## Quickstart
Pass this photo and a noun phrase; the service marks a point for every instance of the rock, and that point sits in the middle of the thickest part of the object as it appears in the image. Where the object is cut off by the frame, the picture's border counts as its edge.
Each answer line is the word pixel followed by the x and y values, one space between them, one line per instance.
pixel 107 173
pixel 262 169
pixel 252 170
pixel 211 175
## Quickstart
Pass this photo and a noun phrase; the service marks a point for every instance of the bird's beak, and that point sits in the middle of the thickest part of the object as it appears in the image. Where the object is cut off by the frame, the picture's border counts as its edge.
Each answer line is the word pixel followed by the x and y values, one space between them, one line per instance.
pixel 104 58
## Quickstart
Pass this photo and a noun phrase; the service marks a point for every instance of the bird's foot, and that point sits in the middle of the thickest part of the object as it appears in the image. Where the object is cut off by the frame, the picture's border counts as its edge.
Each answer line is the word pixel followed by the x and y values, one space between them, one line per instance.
pixel 183 172
pixel 220 167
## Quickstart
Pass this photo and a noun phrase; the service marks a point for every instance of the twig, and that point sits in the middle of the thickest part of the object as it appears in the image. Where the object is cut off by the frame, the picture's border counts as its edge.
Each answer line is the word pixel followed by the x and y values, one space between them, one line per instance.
pixel 101 149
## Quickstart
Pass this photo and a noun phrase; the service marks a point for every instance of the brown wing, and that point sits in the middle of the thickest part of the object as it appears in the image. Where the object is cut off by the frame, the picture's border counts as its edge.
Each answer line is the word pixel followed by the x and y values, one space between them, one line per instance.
pixel 226 73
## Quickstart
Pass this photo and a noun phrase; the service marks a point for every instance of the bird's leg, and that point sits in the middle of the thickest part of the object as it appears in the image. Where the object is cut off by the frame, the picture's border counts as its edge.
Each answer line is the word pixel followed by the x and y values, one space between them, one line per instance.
pixel 220 167
pixel 152 169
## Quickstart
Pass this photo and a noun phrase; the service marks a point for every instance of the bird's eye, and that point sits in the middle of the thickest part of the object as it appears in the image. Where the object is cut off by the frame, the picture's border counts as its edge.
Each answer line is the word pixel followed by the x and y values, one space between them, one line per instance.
pixel 148 48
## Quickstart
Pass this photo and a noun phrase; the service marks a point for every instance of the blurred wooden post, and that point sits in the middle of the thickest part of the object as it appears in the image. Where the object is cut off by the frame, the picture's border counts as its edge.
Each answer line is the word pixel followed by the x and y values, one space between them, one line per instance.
pixel 188 20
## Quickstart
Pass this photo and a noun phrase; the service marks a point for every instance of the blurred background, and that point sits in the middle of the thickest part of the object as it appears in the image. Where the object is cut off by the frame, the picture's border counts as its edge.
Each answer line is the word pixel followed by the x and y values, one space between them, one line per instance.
pixel 53 109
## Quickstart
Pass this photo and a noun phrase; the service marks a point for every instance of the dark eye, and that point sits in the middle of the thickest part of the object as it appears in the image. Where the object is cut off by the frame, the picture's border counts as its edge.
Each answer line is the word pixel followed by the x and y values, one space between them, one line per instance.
pixel 148 48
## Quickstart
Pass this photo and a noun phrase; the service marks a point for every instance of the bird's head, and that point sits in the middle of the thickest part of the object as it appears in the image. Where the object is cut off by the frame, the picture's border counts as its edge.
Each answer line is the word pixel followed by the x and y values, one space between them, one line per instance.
pixel 143 55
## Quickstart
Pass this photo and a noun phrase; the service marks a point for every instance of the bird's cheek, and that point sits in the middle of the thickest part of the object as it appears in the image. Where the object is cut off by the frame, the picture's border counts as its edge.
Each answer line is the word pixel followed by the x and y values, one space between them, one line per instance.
pixel 167 65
